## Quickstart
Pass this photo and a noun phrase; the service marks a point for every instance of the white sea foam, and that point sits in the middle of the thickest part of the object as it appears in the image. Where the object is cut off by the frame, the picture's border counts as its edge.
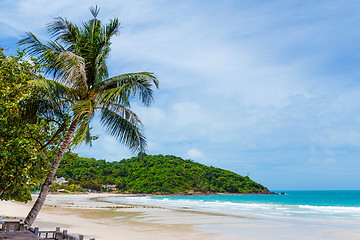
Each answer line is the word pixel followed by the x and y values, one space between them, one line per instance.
pixel 333 209
pixel 246 209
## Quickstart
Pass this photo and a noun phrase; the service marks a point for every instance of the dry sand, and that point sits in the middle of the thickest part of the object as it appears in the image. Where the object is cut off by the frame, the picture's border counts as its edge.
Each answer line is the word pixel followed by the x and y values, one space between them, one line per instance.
pixel 81 215
pixel 89 215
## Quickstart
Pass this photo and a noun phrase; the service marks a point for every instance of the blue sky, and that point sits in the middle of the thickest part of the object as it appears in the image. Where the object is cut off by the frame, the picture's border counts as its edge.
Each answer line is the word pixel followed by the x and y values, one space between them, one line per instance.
pixel 265 88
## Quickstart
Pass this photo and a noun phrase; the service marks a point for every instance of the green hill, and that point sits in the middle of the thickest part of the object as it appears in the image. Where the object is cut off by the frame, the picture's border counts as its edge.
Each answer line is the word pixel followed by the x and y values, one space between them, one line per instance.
pixel 154 174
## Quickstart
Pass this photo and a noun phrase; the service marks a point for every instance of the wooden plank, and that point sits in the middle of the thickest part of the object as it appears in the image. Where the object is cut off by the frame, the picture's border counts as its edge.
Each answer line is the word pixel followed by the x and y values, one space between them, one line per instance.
pixel 18 235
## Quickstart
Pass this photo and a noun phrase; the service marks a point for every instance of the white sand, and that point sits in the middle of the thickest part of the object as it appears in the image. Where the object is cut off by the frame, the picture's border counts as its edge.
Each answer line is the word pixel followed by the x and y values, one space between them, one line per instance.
pixel 81 214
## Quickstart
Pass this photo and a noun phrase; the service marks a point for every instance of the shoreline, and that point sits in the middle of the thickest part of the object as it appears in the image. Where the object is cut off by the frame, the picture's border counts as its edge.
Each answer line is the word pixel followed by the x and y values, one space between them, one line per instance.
pixel 91 215
pixel 162 194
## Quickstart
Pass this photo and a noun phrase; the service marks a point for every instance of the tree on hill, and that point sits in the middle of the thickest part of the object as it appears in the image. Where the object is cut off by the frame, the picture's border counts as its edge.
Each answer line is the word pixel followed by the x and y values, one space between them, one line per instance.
pixel 155 174
pixel 24 140
pixel 76 57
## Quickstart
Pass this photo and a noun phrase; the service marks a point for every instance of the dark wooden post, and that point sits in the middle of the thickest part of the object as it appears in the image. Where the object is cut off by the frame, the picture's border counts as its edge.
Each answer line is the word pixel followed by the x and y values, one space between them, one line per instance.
pixel 22 226
pixel 58 234
pixel 64 234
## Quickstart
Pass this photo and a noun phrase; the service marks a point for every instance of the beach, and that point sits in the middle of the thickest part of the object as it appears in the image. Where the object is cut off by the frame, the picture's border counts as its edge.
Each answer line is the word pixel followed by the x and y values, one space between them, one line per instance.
pixel 93 215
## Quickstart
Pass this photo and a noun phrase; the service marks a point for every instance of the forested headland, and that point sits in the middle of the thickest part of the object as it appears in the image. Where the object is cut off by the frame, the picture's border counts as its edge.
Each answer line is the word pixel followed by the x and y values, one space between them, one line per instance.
pixel 154 174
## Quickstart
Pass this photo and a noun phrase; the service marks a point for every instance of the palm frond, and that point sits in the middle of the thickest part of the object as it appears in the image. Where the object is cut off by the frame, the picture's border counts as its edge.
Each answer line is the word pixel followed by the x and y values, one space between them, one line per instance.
pixel 81 131
pixel 87 137
pixel 36 48
pixel 48 53
pixel 101 68
pixel 64 30
pixel 123 112
pixel 42 106
pixel 54 90
pixel 128 133
pixel 112 28
pixel 33 45
pixel 95 11
pixel 117 95
pixel 120 88
pixel 94 51
pixel 83 110
pixel 55 47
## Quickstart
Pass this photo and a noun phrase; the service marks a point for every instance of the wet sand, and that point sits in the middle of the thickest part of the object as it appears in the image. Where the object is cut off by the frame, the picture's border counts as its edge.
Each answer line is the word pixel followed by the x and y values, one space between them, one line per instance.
pixel 91 216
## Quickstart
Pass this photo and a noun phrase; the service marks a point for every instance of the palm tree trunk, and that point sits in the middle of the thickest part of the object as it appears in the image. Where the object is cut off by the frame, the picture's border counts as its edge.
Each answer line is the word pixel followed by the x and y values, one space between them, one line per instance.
pixel 45 187
pixel 3 188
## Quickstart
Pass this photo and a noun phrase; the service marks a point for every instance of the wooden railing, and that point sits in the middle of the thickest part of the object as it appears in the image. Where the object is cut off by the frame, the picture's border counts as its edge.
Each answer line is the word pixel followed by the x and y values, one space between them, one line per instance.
pixel 9 226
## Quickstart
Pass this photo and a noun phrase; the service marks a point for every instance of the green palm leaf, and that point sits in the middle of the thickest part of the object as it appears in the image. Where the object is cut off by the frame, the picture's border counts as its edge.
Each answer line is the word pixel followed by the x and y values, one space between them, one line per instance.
pixel 83 111
pixel 127 132
pixel 55 90
pixel 120 88
pixel 65 31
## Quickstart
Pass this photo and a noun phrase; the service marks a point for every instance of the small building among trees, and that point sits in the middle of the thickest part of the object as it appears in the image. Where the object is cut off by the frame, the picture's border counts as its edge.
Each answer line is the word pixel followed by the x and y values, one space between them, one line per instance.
pixel 109 187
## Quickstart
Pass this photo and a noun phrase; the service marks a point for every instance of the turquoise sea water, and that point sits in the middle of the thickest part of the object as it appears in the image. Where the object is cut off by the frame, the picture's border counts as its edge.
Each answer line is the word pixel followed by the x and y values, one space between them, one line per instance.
pixel 329 205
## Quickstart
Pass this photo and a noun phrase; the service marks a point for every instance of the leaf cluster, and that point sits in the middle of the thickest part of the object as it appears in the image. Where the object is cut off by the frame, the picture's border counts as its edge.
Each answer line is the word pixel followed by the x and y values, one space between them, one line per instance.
pixel 27 129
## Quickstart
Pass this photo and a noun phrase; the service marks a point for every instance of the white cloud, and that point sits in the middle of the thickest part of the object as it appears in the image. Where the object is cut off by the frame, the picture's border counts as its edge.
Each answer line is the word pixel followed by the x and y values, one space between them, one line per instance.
pixel 195 154
pixel 338 138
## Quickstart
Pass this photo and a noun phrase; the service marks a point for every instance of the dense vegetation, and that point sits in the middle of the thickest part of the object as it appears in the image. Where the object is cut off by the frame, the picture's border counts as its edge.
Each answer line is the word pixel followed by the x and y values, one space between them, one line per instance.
pixel 25 142
pixel 154 174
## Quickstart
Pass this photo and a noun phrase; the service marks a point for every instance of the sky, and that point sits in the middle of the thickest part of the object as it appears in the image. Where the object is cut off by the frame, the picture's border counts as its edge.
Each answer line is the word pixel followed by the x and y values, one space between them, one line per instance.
pixel 268 89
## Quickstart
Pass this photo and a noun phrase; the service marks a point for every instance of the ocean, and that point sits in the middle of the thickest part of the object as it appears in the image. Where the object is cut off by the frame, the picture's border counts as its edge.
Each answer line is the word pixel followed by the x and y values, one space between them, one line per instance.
pixel 315 205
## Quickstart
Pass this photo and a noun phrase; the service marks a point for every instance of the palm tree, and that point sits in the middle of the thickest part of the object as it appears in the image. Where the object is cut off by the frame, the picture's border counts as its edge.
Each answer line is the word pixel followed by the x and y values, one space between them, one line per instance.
pixel 76 57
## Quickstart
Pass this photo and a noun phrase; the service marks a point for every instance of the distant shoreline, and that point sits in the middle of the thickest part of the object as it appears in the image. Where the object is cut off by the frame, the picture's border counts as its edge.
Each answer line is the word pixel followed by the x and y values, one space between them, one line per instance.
pixel 165 194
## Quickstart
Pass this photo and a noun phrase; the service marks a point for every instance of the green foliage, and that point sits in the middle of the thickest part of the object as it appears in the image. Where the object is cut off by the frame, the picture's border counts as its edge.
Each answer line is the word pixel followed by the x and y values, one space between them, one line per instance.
pixel 22 139
pixel 154 174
